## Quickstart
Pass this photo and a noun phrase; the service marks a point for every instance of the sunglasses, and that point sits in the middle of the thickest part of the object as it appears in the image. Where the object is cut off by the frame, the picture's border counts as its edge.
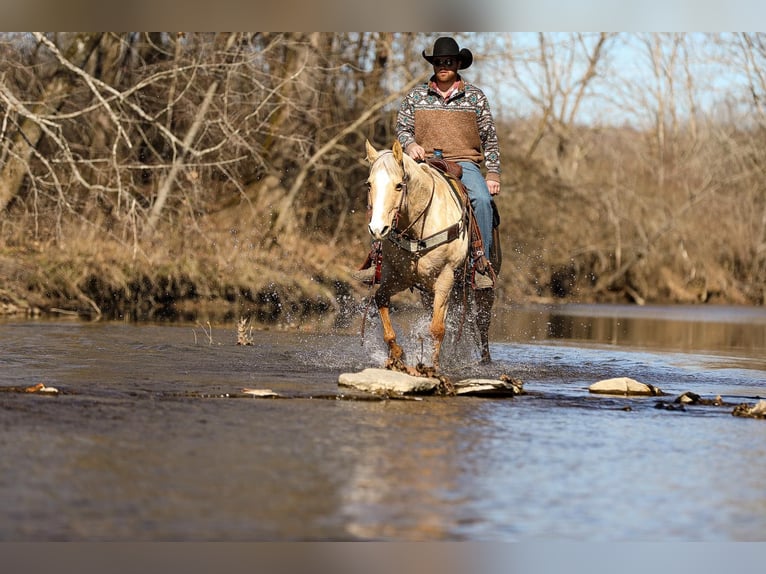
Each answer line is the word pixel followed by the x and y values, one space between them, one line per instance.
pixel 439 62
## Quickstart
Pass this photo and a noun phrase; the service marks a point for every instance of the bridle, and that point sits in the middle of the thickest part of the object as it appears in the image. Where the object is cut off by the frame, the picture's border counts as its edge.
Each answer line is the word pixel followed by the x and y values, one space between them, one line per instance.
pixel 403 186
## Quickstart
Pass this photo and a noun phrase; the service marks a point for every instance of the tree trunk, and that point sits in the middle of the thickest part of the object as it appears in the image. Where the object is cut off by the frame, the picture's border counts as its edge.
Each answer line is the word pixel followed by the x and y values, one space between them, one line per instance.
pixel 25 141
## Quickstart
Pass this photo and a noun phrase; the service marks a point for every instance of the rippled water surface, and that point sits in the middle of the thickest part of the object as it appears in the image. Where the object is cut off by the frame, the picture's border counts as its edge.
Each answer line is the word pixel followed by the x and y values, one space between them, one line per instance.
pixel 151 437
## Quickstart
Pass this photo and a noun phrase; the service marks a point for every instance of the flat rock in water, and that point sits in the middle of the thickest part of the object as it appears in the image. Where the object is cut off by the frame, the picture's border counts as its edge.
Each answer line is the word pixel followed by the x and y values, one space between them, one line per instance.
pixel 757 411
pixel 384 380
pixel 624 386
pixel 488 388
pixel 262 393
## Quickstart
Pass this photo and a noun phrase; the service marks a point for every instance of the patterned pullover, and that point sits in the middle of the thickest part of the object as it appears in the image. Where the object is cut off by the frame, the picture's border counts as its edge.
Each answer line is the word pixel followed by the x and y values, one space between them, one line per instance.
pixel 462 125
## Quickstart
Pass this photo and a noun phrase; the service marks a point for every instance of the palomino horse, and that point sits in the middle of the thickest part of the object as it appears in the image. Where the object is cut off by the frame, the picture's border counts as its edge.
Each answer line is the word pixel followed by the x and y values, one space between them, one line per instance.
pixel 425 226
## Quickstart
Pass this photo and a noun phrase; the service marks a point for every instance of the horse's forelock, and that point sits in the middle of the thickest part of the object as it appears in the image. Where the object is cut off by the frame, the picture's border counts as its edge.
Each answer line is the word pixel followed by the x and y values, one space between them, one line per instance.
pixel 387 160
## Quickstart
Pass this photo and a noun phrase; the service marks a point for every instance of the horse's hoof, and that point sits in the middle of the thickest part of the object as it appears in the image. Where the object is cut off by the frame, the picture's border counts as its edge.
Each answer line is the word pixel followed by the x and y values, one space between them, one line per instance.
pixel 427 371
pixel 485 360
pixel 395 364
pixel 396 354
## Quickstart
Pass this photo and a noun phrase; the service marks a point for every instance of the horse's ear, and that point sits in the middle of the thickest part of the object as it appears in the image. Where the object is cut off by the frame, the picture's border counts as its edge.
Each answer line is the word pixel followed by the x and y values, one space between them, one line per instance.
pixel 372 153
pixel 398 153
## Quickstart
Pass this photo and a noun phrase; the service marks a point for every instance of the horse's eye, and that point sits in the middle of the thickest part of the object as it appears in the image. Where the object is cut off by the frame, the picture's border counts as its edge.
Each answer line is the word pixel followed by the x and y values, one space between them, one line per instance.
pixel 399 186
pixel 367 184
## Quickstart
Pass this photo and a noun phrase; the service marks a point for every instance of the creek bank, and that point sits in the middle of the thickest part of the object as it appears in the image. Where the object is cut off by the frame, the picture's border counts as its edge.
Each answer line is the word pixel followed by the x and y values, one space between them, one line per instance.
pixel 33 285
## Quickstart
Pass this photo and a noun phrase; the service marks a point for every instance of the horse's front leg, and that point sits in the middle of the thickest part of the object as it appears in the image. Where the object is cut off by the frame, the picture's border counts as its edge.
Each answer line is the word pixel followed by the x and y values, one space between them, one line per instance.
pixel 442 290
pixel 395 351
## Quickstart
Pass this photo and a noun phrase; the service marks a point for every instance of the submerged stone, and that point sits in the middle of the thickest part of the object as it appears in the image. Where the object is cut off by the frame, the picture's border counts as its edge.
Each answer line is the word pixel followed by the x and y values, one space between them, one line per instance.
pixel 624 386
pixel 262 393
pixel 488 388
pixel 688 398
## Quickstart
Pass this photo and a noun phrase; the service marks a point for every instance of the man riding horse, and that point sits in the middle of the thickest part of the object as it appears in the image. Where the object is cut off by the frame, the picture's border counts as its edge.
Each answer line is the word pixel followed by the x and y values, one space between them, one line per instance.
pixel 452 115
pixel 450 118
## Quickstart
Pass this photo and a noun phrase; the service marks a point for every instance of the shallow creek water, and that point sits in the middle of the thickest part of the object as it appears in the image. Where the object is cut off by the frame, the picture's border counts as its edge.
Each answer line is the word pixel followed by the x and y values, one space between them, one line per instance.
pixel 152 439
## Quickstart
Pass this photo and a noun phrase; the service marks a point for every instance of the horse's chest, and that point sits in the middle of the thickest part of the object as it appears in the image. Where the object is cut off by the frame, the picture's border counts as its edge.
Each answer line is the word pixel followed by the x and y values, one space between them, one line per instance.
pixel 418 266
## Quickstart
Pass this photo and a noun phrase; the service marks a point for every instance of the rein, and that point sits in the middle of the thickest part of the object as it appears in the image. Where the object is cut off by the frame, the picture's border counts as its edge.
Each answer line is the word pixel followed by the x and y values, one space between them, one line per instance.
pixel 377 260
pixel 405 181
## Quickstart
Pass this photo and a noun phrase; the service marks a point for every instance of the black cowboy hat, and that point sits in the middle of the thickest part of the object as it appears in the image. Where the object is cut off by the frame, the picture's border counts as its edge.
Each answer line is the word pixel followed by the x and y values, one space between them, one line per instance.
pixel 446 46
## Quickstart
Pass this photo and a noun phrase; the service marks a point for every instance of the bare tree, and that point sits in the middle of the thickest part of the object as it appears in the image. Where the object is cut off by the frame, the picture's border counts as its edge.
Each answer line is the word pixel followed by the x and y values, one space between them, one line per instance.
pixel 561 72
pixel 24 125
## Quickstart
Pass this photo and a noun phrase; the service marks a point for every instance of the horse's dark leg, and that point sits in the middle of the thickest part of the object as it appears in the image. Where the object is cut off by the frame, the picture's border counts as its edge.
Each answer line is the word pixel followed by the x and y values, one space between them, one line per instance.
pixel 484 298
pixel 427 300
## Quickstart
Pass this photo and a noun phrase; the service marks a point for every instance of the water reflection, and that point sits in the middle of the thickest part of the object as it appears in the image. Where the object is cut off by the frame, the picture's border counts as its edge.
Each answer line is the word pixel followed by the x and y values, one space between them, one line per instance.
pixel 685 329
pixel 406 484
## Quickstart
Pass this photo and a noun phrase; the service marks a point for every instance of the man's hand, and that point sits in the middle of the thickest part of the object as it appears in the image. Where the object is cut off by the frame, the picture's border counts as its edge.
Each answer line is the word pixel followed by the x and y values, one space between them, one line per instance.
pixel 494 187
pixel 416 152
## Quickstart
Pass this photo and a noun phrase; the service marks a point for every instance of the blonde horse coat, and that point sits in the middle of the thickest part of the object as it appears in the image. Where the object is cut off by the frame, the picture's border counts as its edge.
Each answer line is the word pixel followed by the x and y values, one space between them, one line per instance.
pixel 415 201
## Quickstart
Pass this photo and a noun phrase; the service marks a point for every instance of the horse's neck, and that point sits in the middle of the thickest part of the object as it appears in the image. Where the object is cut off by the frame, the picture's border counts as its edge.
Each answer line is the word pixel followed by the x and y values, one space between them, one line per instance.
pixel 428 192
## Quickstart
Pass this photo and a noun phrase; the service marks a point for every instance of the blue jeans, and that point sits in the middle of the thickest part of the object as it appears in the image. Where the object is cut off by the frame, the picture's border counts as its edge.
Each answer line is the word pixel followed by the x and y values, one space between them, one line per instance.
pixel 481 201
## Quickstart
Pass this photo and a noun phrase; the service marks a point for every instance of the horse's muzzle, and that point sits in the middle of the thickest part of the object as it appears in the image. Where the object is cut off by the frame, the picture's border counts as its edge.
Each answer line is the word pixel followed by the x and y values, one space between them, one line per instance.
pixel 379 233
